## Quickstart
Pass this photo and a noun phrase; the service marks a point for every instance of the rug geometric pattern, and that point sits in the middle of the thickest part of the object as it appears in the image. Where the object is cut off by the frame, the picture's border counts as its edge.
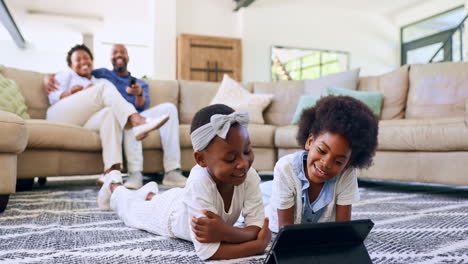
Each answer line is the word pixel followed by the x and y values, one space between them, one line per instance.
pixel 60 223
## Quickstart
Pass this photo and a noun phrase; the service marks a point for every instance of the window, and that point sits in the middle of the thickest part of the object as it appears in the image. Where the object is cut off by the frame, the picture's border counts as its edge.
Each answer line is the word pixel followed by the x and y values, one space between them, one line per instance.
pixel 434 39
pixel 299 64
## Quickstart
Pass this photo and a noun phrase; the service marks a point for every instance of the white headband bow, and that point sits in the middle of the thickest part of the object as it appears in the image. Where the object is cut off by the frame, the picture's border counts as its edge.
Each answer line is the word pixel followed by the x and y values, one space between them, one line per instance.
pixel 219 126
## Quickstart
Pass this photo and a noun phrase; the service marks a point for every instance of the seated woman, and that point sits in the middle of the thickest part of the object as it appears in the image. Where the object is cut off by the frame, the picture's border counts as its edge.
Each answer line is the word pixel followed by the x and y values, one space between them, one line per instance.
pixel 96 104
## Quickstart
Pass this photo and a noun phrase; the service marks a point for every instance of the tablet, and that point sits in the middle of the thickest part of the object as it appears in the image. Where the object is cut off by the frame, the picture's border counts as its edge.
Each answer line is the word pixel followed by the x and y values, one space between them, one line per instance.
pixel 333 242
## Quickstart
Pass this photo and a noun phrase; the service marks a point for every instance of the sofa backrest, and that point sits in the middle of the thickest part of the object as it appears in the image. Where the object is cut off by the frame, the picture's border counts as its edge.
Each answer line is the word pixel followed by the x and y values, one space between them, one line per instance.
pixel 437 90
pixel 283 105
pixel 194 95
pixel 162 91
pixel 394 86
pixel 30 83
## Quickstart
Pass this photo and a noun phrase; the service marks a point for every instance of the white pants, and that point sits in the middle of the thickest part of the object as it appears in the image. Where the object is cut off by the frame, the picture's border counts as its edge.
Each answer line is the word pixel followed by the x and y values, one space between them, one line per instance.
pixel 169 133
pixel 153 216
pixel 100 108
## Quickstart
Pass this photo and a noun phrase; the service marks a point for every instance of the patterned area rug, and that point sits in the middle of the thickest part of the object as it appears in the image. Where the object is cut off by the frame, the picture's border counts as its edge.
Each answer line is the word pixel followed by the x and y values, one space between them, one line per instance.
pixel 60 223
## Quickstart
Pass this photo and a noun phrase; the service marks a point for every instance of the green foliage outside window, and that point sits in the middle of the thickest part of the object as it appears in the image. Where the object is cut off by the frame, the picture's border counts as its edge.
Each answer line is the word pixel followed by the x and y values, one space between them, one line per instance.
pixel 301 64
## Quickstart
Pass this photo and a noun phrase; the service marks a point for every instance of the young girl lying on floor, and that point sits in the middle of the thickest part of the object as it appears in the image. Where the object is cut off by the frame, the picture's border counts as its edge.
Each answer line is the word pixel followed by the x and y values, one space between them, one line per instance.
pixel 219 188
pixel 319 184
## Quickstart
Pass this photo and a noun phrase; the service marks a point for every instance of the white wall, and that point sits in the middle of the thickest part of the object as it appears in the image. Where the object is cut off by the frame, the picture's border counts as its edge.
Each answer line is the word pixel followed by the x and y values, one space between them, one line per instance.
pixel 46 44
pixel 209 17
pixel 50 36
pixel 371 40
pixel 149 28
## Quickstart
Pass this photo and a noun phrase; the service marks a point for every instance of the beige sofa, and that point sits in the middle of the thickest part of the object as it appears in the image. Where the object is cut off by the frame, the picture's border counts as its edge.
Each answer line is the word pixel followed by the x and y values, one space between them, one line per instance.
pixel 423 132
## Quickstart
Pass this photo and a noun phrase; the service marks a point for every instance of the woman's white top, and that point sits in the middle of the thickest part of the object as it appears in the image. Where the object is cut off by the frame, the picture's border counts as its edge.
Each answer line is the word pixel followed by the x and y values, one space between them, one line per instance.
pixel 67 79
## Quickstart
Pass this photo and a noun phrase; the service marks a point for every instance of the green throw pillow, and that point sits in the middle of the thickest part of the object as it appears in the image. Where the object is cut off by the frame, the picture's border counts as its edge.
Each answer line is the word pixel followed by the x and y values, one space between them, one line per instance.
pixel 305 101
pixel 11 99
pixel 372 99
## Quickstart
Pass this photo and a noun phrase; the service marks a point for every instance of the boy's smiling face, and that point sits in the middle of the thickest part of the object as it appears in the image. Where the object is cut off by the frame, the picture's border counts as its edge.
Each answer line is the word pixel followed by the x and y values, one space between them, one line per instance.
pixel 228 160
pixel 329 155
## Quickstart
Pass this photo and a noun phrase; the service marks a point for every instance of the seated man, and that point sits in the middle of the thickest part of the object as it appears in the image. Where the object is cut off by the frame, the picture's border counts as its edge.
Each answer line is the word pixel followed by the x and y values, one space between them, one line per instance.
pixel 136 92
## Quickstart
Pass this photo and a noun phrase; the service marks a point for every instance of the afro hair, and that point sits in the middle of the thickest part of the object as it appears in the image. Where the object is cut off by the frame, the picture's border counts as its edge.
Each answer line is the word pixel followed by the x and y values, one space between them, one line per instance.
pixel 346 116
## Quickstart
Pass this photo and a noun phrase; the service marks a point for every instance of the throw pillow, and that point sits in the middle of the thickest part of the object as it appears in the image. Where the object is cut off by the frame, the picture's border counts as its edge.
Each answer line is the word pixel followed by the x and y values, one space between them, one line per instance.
pixel 305 101
pixel 372 99
pixel 11 99
pixel 346 80
pixel 232 94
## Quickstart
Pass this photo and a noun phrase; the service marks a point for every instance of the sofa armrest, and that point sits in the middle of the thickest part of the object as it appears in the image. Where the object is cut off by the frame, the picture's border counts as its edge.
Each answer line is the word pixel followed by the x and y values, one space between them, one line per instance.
pixel 466 112
pixel 14 133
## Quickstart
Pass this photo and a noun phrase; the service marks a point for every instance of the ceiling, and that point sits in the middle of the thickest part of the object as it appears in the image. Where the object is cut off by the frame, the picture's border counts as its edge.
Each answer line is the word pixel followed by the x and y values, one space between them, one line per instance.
pixel 115 10
pixel 380 7
pixel 124 8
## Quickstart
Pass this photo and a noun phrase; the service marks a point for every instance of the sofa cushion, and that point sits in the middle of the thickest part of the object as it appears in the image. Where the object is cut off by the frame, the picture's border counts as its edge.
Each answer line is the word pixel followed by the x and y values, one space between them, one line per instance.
pixel 345 80
pixel 184 136
pixel 163 92
pixel 32 89
pixel 11 99
pixel 437 90
pixel 14 133
pixel 45 134
pixel 194 95
pixel 285 137
pixel 372 99
pixel 394 85
pixel 444 134
pixel 152 141
pixel 262 136
pixel 283 105
pixel 232 94
pixel 305 101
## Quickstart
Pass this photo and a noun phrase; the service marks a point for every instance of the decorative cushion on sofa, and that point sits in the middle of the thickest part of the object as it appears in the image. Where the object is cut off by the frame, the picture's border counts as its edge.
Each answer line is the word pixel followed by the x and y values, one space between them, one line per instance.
pixel 11 99
pixel 346 80
pixel 372 99
pixel 305 101
pixel 231 93
pixel 283 105
pixel 31 86
pixel 437 90
pixel 394 85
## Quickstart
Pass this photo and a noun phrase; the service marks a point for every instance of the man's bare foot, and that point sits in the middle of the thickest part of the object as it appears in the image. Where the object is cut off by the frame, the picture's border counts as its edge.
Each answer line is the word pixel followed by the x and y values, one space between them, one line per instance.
pixel 150 196
pixel 136 119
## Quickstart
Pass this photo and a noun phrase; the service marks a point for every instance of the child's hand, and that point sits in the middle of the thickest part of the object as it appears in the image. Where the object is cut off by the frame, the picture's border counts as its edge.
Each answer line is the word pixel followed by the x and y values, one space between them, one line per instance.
pixel 208 229
pixel 264 235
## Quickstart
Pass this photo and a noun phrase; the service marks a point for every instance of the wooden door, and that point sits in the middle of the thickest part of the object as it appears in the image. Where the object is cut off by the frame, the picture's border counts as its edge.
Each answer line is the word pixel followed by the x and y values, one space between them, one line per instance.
pixel 205 58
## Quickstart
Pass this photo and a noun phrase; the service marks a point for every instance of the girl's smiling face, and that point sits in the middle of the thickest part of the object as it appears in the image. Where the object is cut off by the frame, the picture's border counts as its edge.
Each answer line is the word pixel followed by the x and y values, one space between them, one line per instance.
pixel 329 155
pixel 228 160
